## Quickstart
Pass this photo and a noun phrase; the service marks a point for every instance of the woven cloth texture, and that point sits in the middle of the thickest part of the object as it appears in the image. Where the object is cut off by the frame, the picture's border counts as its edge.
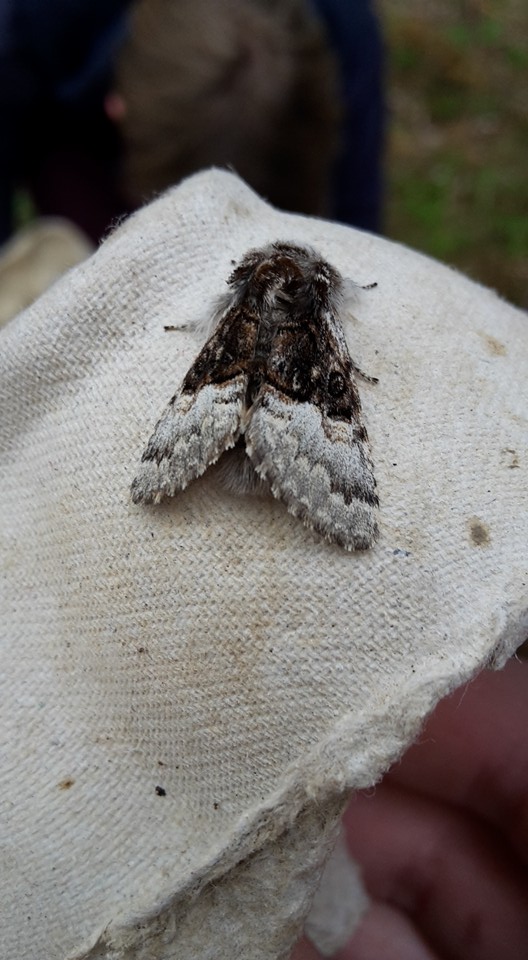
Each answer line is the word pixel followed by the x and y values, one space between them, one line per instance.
pixel 212 646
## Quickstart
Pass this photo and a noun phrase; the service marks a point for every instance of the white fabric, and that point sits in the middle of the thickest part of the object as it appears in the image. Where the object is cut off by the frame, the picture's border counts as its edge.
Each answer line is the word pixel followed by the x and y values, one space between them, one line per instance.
pixel 36 256
pixel 212 645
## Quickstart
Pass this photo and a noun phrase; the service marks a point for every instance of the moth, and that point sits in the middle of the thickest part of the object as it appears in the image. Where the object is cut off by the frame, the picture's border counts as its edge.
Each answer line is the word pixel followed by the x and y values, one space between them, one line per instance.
pixel 273 394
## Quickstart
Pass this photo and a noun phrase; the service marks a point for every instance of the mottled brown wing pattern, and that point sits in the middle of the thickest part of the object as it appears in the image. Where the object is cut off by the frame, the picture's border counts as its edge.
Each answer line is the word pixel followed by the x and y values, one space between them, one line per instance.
pixel 306 434
pixel 276 378
pixel 205 417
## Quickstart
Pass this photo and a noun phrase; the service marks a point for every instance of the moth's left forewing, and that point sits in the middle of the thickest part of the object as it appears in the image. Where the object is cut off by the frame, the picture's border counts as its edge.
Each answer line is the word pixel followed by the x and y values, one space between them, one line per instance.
pixel 306 434
pixel 206 416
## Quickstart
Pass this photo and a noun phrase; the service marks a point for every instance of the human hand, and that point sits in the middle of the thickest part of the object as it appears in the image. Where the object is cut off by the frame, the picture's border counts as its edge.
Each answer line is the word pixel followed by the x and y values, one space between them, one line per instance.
pixel 443 840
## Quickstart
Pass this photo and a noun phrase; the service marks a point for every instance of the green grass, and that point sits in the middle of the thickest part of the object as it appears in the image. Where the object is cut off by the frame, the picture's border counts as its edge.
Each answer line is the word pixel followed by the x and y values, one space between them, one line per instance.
pixel 458 157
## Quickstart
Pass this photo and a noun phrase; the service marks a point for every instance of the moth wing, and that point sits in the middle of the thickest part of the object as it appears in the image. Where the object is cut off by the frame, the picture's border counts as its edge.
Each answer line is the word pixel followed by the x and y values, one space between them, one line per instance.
pixel 205 417
pixel 306 435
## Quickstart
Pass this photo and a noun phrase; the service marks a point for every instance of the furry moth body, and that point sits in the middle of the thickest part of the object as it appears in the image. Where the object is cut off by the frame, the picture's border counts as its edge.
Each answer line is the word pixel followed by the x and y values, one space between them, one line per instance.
pixel 274 386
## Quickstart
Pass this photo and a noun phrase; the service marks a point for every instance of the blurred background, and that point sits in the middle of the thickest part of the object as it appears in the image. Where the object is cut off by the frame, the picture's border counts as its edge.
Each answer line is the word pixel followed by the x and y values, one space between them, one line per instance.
pixel 406 117
pixel 457 165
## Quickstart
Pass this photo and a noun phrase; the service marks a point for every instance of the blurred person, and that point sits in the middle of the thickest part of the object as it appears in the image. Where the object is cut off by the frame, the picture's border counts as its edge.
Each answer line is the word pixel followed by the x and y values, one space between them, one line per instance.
pixel 56 62
pixel 249 85
pixel 354 33
pixel 106 104
pixel 288 93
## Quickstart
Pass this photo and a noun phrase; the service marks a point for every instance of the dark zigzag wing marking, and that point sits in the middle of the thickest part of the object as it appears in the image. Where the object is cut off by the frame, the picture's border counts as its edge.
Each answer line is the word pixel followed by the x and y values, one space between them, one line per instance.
pixel 306 434
pixel 206 416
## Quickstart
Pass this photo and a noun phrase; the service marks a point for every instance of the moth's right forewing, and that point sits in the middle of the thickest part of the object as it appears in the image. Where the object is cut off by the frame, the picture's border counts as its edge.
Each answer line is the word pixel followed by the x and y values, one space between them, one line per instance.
pixel 317 467
pixel 206 416
pixel 306 435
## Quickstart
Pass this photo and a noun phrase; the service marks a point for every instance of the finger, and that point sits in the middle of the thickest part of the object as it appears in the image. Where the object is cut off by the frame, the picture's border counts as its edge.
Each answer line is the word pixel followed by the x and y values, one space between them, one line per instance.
pixel 305 950
pixel 473 753
pixel 448 873
pixel 386 934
